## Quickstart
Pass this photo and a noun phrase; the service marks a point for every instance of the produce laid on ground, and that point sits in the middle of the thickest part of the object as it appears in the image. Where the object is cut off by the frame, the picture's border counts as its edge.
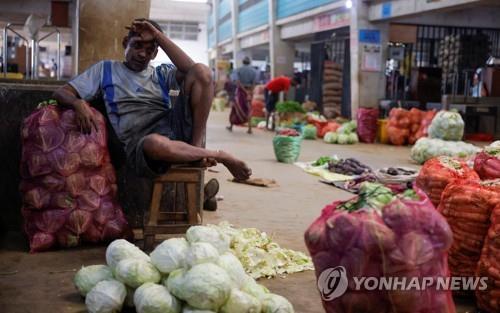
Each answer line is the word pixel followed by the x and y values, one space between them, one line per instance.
pixel 289 113
pixel 354 185
pixel 447 125
pixel 467 206
pixel 487 162
pixel 196 274
pixel 383 234
pixel 260 255
pixel 489 266
pixel 349 166
pixel 286 144
pixel 396 175
pixel 345 134
pixel 438 172
pixel 428 148
pixel 68 182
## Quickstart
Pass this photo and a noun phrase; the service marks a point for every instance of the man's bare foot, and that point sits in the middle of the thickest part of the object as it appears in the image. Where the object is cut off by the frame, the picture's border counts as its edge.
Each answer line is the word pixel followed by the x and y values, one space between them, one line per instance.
pixel 238 168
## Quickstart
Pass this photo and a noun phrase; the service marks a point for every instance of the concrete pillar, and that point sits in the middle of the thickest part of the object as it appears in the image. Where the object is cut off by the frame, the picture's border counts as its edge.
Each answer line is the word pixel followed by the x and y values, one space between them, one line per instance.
pixel 367 87
pixel 215 8
pixel 282 53
pixel 102 28
pixel 235 11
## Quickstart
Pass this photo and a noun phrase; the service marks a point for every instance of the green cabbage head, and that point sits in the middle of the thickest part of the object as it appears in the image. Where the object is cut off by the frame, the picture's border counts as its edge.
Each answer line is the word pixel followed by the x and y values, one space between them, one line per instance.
pixel 258 291
pixel 241 302
pixel 447 125
pixel 205 286
pixel 233 267
pixel 201 252
pixel 135 272
pixel 174 282
pixel 154 298
pixel 210 235
pixel 330 137
pixel 276 304
pixel 106 297
pixel 170 255
pixel 87 277
pixel 189 309
pixel 121 249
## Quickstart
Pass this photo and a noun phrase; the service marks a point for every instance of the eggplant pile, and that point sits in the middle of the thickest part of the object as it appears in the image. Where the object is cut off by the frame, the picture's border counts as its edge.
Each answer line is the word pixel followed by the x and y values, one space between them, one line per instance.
pixel 348 166
pixel 398 171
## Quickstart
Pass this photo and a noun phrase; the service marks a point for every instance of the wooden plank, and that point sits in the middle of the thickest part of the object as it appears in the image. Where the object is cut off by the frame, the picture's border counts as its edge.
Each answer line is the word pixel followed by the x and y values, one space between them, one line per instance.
pixel 181 175
pixel 155 203
pixel 201 197
pixel 166 229
pixel 149 241
pixel 175 198
pixel 172 216
pixel 192 208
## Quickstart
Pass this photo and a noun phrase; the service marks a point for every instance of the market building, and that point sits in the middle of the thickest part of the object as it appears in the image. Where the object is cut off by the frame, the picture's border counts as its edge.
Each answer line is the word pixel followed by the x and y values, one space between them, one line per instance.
pixel 366 38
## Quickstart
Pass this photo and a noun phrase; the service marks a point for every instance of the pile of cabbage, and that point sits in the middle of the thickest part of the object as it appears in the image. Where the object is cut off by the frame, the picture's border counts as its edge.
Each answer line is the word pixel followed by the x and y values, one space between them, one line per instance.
pixel 447 125
pixel 260 256
pixel 196 274
pixel 427 148
pixel 346 134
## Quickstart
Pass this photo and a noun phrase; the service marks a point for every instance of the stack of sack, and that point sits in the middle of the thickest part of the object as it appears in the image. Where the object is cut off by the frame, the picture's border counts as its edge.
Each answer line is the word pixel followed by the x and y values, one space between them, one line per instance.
pixel 332 89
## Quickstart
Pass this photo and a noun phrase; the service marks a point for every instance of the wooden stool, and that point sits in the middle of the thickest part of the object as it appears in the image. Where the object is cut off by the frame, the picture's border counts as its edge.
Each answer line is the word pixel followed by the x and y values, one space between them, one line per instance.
pixel 184 213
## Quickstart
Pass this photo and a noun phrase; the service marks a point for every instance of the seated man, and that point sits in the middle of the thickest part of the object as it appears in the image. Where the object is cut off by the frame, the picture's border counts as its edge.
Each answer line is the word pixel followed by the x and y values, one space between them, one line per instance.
pixel 154 130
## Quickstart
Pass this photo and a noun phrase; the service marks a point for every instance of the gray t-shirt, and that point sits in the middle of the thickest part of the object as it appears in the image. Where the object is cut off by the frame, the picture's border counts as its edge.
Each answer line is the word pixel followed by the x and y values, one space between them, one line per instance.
pixel 133 99
pixel 246 75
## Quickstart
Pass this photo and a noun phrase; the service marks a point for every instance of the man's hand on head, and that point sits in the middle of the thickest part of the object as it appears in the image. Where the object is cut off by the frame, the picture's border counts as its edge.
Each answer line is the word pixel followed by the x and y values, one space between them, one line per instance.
pixel 145 30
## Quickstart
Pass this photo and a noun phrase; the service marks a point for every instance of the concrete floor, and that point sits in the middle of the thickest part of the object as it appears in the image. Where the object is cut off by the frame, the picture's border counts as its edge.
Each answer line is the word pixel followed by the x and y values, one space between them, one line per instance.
pixel 43 282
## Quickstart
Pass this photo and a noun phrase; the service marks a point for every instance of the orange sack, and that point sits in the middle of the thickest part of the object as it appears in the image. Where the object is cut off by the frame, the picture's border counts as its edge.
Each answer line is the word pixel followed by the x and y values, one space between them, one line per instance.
pixel 489 266
pixel 438 172
pixel 467 206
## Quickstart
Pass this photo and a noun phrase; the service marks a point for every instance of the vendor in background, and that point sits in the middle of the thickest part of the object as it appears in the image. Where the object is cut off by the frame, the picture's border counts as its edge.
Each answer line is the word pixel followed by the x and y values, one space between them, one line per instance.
pixel 273 88
pixel 245 78
pixel 229 86
pixel 478 88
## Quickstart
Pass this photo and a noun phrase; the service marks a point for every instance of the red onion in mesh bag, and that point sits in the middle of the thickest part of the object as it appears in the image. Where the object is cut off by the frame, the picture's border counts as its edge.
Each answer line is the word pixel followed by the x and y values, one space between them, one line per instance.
pixel 367 124
pixel 406 238
pixel 68 182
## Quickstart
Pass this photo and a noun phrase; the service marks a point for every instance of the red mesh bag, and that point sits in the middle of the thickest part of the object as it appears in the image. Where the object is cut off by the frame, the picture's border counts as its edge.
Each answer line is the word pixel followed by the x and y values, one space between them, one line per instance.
pixel 415 116
pixel 367 124
pixel 398 127
pixel 330 127
pixel 489 266
pixel 487 162
pixel 68 183
pixel 438 172
pixel 467 206
pixel 406 238
pixel 258 108
pixel 426 120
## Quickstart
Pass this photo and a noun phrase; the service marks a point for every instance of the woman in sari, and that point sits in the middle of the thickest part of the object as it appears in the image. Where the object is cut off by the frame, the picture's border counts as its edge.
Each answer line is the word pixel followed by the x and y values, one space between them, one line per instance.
pixel 246 78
